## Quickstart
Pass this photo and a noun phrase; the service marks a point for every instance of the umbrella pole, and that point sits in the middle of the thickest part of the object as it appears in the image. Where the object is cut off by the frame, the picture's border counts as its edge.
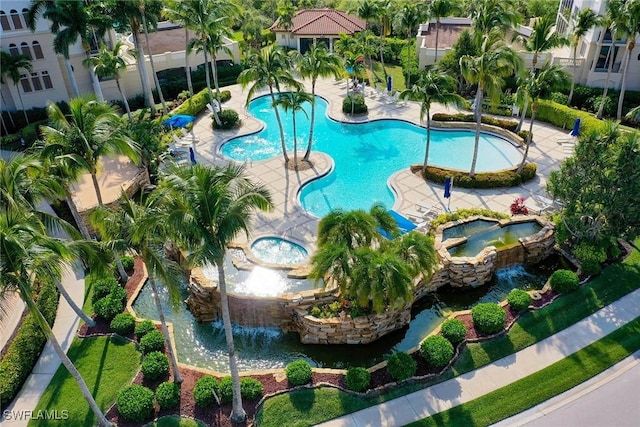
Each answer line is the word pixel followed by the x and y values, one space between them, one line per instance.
pixel 449 198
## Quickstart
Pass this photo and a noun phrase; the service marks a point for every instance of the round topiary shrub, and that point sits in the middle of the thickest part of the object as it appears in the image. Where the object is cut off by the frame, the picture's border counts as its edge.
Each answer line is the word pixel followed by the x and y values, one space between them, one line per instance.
pixel 488 317
pixel 205 390
pixel 153 341
pixel 298 372
pixel 229 119
pixel 127 262
pixel 453 330
pixel 144 327
pixel 401 366
pixel 102 287
pixel 357 379
pixel 226 390
pixel 123 324
pixel 119 294
pixel 563 281
pixel 155 365
pixel 135 403
pixel 436 350
pixel 250 388
pixel 359 105
pixel 168 395
pixel 108 307
pixel 519 300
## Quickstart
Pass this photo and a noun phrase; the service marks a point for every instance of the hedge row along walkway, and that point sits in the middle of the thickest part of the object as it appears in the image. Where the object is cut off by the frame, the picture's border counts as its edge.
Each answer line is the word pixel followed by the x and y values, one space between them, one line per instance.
pixel 464 388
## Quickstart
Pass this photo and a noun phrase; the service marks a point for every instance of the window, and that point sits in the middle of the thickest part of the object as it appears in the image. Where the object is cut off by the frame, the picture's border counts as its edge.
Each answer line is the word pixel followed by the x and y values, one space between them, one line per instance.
pixel 4 20
pixel 35 79
pixel 37 50
pixel 25 50
pixel 604 58
pixel 16 19
pixel 26 86
pixel 13 50
pixel 46 78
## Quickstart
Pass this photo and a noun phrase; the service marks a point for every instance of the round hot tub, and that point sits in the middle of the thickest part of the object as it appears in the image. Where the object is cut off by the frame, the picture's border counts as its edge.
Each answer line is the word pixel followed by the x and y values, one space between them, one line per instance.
pixel 276 250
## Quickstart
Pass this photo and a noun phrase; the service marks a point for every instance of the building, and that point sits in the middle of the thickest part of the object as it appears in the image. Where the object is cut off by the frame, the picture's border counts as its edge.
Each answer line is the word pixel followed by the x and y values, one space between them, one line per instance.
pixel 310 26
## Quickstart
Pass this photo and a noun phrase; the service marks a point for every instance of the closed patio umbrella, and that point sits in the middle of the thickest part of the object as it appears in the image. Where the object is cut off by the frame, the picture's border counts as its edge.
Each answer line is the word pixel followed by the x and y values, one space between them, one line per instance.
pixel 576 128
pixel 389 84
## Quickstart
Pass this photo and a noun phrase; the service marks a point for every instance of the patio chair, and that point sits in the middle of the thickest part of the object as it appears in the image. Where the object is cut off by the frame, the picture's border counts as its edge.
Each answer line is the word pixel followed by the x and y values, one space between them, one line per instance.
pixel 179 142
pixel 416 215
pixel 568 147
pixel 428 208
pixel 189 136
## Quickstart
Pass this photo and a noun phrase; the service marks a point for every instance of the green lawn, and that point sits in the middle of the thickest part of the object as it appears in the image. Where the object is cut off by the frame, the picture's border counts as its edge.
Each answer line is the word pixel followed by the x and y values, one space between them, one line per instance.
pixel 106 364
pixel 175 421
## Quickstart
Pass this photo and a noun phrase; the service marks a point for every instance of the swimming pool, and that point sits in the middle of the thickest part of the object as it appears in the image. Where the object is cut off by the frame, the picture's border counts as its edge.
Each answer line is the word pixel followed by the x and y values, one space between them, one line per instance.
pixel 365 155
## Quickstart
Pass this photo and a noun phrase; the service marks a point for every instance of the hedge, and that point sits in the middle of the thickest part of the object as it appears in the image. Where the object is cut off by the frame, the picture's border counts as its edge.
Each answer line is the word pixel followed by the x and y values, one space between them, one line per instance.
pixel 359 104
pixel 196 105
pixel 24 350
pixel 510 125
pixel 506 178
pixel 228 119
pixel 564 117
pixel 249 389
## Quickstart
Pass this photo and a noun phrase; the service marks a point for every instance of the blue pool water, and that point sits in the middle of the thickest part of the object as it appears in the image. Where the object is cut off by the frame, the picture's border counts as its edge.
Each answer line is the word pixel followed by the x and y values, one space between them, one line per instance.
pixel 275 250
pixel 365 155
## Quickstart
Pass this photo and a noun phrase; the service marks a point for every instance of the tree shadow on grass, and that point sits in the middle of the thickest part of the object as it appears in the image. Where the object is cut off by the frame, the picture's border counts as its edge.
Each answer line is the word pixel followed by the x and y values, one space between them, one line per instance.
pixel 303 400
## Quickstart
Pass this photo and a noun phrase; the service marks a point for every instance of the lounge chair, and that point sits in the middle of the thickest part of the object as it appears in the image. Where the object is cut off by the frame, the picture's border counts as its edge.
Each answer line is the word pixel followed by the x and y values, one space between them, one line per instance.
pixel 428 208
pixel 568 147
pixel 189 136
pixel 179 142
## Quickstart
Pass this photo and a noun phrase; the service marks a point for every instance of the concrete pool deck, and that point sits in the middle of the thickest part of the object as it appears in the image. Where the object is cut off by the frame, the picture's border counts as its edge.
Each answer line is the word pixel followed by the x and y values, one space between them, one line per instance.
pixel 289 220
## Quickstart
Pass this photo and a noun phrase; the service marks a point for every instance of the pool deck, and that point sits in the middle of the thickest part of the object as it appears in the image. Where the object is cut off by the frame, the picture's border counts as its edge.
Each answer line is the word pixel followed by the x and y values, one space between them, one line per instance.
pixel 289 219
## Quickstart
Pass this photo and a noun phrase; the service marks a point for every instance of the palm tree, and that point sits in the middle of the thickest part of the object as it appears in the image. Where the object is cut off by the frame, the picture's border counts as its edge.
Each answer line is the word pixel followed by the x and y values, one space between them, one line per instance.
pixel 615 18
pixel 439 9
pixel 317 62
pixel 12 67
pixel 28 254
pixel 146 15
pixel 587 19
pixel 432 86
pixel 632 27
pixel 210 207
pixel 383 11
pixel 544 81
pixel 270 68
pixel 408 17
pixel 494 62
pixel 492 15
pixel 178 11
pixel 353 62
pixel 109 63
pixel 417 251
pixel 141 229
pixel 294 102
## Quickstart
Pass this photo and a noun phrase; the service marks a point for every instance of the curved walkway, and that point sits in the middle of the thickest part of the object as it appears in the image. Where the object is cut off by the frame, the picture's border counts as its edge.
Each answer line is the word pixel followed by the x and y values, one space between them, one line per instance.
pixel 464 388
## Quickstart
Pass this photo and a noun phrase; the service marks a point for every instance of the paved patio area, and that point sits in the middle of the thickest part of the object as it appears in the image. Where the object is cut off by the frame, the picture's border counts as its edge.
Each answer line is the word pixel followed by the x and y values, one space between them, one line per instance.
pixel 291 221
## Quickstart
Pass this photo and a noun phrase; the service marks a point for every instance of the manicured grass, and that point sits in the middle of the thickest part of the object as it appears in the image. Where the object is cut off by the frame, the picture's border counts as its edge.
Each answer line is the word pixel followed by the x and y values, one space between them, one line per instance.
pixel 175 421
pixel 395 71
pixel 557 378
pixel 106 364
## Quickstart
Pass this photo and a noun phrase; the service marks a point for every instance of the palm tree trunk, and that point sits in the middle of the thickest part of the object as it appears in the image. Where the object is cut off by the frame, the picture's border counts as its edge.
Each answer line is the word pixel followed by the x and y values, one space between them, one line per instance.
pixel 573 74
pixel 42 322
pixel 612 57
pixel 177 378
pixel 523 113
pixel 208 79
pixel 214 69
pixel 313 119
pixel 408 85
pixel 96 84
pixel 81 314
pixel 238 414
pixel 13 123
pixel 282 141
pixel 187 68
pixel 82 227
pixel 22 104
pixel 529 138
pixel 72 78
pixel 426 153
pixel 598 48
pixel 124 100
pixel 96 187
pixel 472 171
pixel 623 85
pixel 144 77
pixel 295 142
pixel 153 67
pixel 437 36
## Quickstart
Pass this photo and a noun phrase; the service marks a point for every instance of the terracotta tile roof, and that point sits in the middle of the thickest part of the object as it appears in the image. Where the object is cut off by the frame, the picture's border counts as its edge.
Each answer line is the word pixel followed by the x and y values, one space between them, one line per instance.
pixel 322 22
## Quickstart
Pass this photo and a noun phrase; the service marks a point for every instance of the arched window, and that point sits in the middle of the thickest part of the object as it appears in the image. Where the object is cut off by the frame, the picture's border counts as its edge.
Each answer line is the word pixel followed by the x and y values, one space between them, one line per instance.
pixel 16 19
pixel 4 21
pixel 37 50
pixel 13 50
pixel 24 47
pixel 46 78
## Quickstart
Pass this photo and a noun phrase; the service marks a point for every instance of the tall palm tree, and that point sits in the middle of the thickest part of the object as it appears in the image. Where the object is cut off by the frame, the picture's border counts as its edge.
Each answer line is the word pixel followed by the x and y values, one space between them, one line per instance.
pixel 149 17
pixel 383 12
pixel 28 254
pixel 494 62
pixel 178 11
pixel 109 63
pixel 317 62
pixel 354 65
pixel 367 11
pixel 294 102
pixel 210 208
pixel 544 81
pixel 432 86
pixel 632 27
pixel 12 67
pixel 141 229
pixel 418 252
pixel 492 15
pixel 616 19
pixel 587 19
pixel 407 18
pixel 270 68
pixel 439 9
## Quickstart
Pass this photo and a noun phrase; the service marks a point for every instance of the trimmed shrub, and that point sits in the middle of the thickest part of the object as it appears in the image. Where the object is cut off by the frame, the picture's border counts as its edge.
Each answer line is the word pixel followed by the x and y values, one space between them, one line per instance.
pixel 250 388
pixel 401 366
pixel 357 379
pixel 123 324
pixel 195 105
pixel 510 125
pixel 205 389
pixel 560 98
pixel 155 365
pixel 226 390
pixel 505 178
pixel 229 119
pixel 153 341
pixel 359 104
pixel 453 330
pixel 108 307
pixel 590 257
pixel 127 263
pixel 168 395
pixel 298 372
pixel 564 281
pixel 102 287
pixel 436 350
pixel 135 403
pixel 465 213
pixel 119 294
pixel 563 116
pixel 519 300
pixel 143 328
pixel 488 317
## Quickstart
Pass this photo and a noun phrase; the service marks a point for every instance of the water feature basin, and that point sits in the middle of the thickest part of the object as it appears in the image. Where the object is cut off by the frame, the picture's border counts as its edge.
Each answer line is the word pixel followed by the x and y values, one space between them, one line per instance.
pixel 498 236
pixel 276 250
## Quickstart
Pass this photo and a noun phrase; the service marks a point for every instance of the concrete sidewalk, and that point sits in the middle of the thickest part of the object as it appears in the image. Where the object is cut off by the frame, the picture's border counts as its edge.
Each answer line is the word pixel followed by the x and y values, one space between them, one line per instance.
pixel 443 396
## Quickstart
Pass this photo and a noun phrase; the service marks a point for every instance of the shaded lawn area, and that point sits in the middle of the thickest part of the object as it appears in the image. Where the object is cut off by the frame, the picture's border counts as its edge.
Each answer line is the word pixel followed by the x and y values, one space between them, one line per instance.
pixel 106 364
pixel 615 281
pixel 175 421
pixel 557 378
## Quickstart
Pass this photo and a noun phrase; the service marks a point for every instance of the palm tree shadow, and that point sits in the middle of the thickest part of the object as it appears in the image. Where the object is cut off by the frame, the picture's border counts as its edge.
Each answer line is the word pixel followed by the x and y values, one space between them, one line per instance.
pixel 303 400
